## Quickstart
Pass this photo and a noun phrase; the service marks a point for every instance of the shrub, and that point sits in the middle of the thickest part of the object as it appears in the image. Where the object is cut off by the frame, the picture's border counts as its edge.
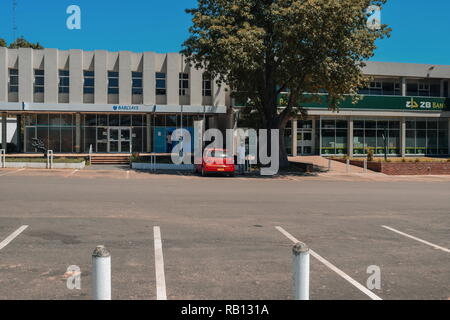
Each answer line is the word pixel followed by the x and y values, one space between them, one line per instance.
pixel 369 154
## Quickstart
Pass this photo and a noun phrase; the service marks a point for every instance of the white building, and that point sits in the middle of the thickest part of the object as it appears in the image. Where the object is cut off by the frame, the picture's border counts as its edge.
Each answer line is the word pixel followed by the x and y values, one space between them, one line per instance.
pixel 115 101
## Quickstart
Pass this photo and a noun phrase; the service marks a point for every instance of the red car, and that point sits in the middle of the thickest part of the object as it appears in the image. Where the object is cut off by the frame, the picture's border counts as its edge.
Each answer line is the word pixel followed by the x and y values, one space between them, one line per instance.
pixel 216 161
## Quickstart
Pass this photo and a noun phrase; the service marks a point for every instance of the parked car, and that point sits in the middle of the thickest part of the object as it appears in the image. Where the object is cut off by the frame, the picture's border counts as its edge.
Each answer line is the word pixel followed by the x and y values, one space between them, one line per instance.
pixel 216 161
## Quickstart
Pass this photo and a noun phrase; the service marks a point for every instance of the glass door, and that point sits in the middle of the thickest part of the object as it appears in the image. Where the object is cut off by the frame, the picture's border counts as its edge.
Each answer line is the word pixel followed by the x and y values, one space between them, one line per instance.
pixel 305 142
pixel 125 140
pixel 114 140
pixel 119 140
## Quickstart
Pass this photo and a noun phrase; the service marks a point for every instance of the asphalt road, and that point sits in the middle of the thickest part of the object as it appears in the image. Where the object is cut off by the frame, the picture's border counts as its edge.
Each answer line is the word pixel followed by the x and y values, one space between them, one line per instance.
pixel 218 235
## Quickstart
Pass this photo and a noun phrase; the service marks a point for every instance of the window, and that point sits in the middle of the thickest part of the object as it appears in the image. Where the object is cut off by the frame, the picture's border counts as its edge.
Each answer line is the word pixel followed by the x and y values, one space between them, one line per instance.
pixel 207 92
pixel 384 87
pixel 161 84
pixel 39 81
pixel 333 135
pixel 113 82
pixel 137 82
pixel 89 82
pixel 64 81
pixel 423 88
pixel 375 85
pixel 13 80
pixel 376 135
pixel 426 137
pixel 184 84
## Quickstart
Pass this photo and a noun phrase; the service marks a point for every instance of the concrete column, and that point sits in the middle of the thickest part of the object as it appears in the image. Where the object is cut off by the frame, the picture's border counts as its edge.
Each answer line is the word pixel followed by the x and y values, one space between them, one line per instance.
pixel 125 78
pixel 195 86
pixel 4 130
pixel 26 75
pixel 76 76
pixel 350 137
pixel 4 74
pixel 101 77
pixel 148 132
pixel 403 137
pixel 172 82
pixel 149 80
pixel 449 135
pixel 294 136
pixel 403 86
pixel 78 133
pixel 314 129
pixel 51 75
pixel 18 133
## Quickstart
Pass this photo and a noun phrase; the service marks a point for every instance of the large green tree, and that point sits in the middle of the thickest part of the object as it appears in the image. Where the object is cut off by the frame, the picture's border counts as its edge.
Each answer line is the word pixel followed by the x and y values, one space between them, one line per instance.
pixel 261 48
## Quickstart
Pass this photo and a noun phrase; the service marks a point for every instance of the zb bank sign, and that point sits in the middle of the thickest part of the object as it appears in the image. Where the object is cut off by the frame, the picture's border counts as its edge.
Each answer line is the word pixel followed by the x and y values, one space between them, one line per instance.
pixel 417 104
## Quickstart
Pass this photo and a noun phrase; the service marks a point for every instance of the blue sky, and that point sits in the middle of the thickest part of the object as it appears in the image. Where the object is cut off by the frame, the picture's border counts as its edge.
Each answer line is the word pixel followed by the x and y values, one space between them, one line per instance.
pixel 421 29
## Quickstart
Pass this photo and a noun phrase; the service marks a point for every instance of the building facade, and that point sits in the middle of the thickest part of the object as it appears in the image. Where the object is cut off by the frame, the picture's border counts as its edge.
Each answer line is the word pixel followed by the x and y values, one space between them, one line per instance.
pixel 107 102
pixel 121 102
pixel 405 111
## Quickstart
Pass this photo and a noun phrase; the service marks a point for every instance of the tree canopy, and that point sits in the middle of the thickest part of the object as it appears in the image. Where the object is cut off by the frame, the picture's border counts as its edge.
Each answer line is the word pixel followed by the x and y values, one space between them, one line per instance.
pixel 20 42
pixel 261 48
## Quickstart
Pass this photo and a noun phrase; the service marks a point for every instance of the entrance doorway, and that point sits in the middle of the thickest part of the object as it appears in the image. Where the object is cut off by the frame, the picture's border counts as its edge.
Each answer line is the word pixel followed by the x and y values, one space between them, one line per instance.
pixel 119 140
pixel 305 142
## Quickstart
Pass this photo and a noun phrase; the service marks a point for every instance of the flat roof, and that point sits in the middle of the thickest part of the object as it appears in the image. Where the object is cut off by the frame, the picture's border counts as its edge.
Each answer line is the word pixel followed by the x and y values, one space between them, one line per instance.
pixel 397 69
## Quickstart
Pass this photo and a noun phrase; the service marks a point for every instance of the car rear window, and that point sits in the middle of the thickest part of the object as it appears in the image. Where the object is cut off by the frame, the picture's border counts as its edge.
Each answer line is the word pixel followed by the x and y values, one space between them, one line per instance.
pixel 218 154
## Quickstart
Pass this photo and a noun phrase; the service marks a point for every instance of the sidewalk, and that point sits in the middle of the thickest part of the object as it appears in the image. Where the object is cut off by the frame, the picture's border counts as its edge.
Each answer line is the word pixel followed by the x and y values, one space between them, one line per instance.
pixel 339 172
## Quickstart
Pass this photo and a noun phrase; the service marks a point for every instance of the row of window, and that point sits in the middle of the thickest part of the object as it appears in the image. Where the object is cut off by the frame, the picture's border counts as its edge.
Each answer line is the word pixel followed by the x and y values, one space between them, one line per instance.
pixel 113 82
pixel 419 88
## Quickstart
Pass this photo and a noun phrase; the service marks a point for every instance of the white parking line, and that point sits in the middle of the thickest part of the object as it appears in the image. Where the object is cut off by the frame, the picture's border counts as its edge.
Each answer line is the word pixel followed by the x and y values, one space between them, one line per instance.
pixel 159 266
pixel 72 173
pixel 11 237
pixel 417 239
pixel 11 172
pixel 341 273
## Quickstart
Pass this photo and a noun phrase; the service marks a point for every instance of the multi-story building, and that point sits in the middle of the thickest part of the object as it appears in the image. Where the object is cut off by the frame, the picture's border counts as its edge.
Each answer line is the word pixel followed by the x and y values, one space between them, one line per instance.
pixel 405 111
pixel 122 102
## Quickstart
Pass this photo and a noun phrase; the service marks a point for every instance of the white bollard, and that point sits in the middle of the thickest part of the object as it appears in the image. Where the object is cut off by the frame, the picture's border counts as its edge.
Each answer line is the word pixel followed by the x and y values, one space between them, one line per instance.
pixel 329 164
pixel 301 271
pixel 101 274
pixel 348 165
pixel 365 165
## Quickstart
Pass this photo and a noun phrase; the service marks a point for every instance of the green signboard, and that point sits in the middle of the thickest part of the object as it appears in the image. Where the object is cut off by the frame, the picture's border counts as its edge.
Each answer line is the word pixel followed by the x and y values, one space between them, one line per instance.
pixel 397 103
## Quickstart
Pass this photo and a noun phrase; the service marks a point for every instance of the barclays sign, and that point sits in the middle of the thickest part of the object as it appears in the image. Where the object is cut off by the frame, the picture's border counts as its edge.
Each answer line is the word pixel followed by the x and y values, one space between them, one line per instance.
pixel 125 108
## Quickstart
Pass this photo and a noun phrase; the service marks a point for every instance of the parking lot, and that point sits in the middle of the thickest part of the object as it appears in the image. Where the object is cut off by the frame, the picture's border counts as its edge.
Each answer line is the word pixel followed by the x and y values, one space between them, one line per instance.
pixel 223 238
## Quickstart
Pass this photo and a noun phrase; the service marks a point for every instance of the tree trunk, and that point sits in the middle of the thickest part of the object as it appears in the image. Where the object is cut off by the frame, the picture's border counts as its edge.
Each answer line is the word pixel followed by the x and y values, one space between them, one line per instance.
pixel 283 156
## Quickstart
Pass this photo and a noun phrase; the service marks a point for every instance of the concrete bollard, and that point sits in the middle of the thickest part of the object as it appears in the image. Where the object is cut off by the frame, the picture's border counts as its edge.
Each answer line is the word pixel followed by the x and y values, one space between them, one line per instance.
pixel 301 271
pixel 101 274
pixel 365 166
pixel 348 165
pixel 329 164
